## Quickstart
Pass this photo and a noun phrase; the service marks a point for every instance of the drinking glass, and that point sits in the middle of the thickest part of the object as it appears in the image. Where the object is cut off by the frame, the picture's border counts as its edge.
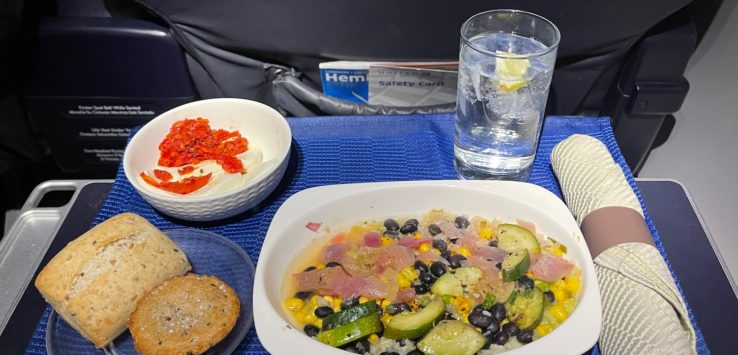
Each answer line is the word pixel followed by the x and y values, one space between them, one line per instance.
pixel 506 62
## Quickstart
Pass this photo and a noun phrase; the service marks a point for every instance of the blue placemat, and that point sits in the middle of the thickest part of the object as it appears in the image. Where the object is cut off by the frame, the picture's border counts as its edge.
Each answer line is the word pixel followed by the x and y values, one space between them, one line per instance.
pixel 335 150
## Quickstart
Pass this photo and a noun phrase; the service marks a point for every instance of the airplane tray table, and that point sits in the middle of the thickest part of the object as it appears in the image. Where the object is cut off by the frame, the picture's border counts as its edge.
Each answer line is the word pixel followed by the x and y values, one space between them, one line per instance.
pixel 683 238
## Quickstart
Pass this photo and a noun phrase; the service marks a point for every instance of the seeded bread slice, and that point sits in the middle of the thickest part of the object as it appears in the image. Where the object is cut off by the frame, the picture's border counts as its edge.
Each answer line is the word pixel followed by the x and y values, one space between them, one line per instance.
pixel 184 315
pixel 95 282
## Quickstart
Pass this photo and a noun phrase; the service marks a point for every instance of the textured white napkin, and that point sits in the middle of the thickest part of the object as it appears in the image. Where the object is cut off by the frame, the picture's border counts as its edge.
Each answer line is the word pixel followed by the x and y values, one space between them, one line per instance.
pixel 642 310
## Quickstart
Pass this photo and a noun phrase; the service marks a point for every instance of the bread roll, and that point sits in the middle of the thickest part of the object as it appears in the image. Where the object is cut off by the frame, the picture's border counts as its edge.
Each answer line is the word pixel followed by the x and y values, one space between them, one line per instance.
pixel 95 282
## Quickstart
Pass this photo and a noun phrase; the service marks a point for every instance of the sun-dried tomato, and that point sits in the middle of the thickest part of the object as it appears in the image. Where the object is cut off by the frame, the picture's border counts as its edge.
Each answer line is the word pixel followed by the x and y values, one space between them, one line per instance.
pixel 191 141
pixel 186 170
pixel 162 175
pixel 182 187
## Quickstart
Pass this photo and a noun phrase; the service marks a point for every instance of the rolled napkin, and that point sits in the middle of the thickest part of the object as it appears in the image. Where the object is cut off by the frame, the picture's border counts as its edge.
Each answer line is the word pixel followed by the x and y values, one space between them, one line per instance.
pixel 643 312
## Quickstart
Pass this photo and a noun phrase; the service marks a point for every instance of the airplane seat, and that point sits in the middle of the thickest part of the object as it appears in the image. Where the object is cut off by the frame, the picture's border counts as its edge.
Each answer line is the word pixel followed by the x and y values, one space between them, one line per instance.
pixel 624 59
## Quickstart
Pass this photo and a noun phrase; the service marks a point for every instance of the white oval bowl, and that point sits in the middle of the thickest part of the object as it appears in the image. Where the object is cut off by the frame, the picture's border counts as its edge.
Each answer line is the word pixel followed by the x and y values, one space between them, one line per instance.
pixel 264 128
pixel 342 205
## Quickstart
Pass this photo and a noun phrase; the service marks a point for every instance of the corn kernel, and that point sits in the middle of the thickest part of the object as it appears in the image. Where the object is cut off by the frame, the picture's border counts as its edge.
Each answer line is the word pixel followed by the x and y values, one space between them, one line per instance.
pixel 558 284
pixel 385 318
pixel 463 251
pixel 465 318
pixel 403 282
pixel 560 295
pixel 485 233
pixel 386 240
pixel 320 266
pixel 356 231
pixel 328 298
pixel 310 317
pixel 409 273
pixel 373 339
pixel 314 299
pixel 337 304
pixel 294 304
pixel 417 236
pixel 363 299
pixel 544 329
pixel 424 247
pixel 558 312
pixel 318 323
pixel 385 303
pixel 558 252
pixel 461 304
pixel 572 284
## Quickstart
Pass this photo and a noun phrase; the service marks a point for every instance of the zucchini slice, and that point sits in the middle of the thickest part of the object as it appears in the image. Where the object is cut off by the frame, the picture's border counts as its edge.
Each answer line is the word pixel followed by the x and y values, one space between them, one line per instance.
pixel 515 265
pixel 413 325
pixel 454 282
pixel 526 310
pixel 452 337
pixel 349 315
pixel 355 330
pixel 511 237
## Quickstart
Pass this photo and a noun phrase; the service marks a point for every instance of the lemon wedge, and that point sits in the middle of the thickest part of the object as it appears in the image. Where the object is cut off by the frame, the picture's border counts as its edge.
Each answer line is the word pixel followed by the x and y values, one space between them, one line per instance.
pixel 511 71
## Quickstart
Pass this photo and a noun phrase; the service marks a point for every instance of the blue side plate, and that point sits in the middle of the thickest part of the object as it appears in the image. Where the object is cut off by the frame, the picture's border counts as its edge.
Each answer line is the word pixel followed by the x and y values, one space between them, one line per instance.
pixel 209 253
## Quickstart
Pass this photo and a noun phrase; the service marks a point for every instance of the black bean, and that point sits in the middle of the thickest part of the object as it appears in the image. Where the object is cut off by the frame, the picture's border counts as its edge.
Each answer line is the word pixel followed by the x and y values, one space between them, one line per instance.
pixel 438 268
pixel 412 221
pixel 420 266
pixel 396 308
pixel 481 319
pixel 434 229
pixel 389 353
pixel 446 254
pixel 498 266
pixel 415 352
pixel 358 347
pixel 494 327
pixel 498 311
pixel 349 302
pixel 309 268
pixel 453 240
pixel 391 225
pixel 478 308
pixel 511 329
pixel 525 336
pixel 493 243
pixel 550 296
pixel 526 282
pixel 408 228
pixel 455 260
pixel 311 330
pixel 391 234
pixel 421 288
pixel 323 311
pixel 448 316
pixel 303 295
pixel 500 338
pixel 440 244
pixel 461 222
pixel 332 264
pixel 426 278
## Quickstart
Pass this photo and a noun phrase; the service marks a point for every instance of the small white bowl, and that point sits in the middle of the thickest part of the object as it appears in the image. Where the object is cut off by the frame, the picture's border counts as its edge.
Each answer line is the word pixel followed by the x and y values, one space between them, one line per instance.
pixel 264 128
pixel 341 205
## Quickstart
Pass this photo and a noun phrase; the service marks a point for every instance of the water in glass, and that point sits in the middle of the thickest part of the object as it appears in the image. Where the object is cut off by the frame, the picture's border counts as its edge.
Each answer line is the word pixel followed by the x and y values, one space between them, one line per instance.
pixel 501 98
